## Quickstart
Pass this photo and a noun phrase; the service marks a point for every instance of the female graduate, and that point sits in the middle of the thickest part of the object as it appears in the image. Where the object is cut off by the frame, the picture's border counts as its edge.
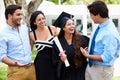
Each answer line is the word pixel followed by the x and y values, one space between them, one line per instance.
pixel 71 42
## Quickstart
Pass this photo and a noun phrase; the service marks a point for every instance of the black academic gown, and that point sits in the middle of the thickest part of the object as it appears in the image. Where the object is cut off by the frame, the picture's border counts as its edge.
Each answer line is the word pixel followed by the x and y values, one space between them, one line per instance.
pixel 71 72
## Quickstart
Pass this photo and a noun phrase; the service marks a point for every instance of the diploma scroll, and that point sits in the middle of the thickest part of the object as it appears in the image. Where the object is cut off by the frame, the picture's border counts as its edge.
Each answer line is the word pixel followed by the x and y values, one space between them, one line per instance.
pixel 61 50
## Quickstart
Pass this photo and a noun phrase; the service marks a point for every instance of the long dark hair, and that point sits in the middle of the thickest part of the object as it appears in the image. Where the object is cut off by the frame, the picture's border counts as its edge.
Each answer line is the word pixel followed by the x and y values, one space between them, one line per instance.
pixel 33 18
pixel 79 41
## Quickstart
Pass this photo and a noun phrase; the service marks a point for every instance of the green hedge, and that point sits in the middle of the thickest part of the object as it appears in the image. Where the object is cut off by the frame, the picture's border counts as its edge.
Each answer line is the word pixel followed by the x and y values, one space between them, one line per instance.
pixel 3 71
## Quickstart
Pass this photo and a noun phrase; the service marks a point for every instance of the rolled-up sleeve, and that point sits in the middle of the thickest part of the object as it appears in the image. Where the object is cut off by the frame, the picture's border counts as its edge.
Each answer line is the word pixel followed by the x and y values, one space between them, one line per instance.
pixel 110 48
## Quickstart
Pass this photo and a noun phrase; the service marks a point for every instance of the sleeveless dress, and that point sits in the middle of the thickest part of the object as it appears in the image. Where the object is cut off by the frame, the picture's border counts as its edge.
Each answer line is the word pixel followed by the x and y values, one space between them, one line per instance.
pixel 43 62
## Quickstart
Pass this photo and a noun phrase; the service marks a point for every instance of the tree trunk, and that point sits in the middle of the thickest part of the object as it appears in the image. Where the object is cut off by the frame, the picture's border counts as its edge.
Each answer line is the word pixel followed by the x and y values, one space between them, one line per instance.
pixel 32 6
pixel 2 16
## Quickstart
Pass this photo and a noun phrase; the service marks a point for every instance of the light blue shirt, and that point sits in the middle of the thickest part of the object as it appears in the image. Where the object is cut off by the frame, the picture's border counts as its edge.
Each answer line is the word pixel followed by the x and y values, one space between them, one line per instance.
pixel 15 44
pixel 107 43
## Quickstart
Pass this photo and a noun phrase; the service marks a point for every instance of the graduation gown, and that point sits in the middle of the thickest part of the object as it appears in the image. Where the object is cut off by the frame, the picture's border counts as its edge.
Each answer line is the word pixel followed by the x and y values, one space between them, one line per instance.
pixel 71 72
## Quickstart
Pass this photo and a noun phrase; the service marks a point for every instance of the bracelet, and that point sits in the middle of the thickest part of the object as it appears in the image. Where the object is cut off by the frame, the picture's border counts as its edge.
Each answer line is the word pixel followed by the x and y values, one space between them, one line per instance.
pixel 61 53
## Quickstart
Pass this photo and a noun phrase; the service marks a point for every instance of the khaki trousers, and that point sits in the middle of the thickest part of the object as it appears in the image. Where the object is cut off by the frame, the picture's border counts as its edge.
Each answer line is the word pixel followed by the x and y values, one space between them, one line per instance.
pixel 21 73
pixel 98 72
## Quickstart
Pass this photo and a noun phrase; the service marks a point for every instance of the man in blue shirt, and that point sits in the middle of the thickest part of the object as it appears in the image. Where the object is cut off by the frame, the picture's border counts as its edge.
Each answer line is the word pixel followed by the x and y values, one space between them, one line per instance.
pixel 103 46
pixel 15 50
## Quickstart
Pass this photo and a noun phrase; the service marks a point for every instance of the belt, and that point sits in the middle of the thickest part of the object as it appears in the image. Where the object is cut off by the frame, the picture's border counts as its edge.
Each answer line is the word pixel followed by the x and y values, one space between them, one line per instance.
pixel 27 65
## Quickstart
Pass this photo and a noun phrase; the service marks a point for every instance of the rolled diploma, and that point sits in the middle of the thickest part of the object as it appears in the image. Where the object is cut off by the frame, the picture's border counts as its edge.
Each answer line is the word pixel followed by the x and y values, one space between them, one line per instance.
pixel 61 50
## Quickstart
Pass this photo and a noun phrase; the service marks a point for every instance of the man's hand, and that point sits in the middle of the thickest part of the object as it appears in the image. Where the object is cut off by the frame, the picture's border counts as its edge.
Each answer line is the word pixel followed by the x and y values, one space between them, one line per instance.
pixel 84 51
pixel 19 64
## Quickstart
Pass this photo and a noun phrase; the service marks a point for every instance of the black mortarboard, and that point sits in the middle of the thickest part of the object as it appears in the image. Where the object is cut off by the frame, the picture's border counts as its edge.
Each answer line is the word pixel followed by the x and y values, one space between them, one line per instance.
pixel 61 20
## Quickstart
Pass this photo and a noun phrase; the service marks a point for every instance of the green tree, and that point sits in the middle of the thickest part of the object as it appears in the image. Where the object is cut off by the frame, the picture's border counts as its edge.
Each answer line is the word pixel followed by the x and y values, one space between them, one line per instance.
pixel 72 2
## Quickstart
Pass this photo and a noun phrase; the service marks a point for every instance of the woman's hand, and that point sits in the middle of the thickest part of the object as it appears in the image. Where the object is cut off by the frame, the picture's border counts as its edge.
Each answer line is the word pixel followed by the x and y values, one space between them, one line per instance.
pixel 63 57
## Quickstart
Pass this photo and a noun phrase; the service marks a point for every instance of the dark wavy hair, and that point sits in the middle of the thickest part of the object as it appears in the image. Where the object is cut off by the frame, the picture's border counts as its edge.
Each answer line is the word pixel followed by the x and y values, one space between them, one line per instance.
pixel 79 41
pixel 98 7
pixel 33 18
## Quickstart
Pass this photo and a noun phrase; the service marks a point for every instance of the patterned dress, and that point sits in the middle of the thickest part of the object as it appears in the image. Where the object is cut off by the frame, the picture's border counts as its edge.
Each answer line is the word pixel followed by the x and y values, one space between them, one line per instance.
pixel 43 62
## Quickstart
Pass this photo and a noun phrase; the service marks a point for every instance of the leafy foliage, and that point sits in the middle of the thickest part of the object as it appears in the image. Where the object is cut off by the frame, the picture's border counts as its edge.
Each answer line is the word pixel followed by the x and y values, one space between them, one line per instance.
pixel 3 71
pixel 74 2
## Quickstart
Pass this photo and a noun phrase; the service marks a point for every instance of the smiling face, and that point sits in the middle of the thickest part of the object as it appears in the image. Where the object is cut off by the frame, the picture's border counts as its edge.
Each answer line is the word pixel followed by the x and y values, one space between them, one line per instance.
pixel 40 20
pixel 16 17
pixel 69 27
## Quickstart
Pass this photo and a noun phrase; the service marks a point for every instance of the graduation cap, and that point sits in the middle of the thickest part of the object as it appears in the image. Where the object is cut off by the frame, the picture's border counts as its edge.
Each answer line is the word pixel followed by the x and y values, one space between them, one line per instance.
pixel 61 20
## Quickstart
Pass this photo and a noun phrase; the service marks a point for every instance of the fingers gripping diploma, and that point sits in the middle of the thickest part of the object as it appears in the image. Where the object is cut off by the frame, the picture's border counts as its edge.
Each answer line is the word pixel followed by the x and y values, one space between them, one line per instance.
pixel 63 56
pixel 62 52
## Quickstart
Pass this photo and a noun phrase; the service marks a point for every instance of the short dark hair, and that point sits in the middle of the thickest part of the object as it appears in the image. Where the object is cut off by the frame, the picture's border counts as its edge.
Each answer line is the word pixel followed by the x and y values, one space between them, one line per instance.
pixel 11 9
pixel 98 7
pixel 33 18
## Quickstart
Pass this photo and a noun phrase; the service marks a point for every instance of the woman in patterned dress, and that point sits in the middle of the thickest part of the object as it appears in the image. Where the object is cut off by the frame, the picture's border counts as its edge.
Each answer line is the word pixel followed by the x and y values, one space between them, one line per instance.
pixel 42 37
